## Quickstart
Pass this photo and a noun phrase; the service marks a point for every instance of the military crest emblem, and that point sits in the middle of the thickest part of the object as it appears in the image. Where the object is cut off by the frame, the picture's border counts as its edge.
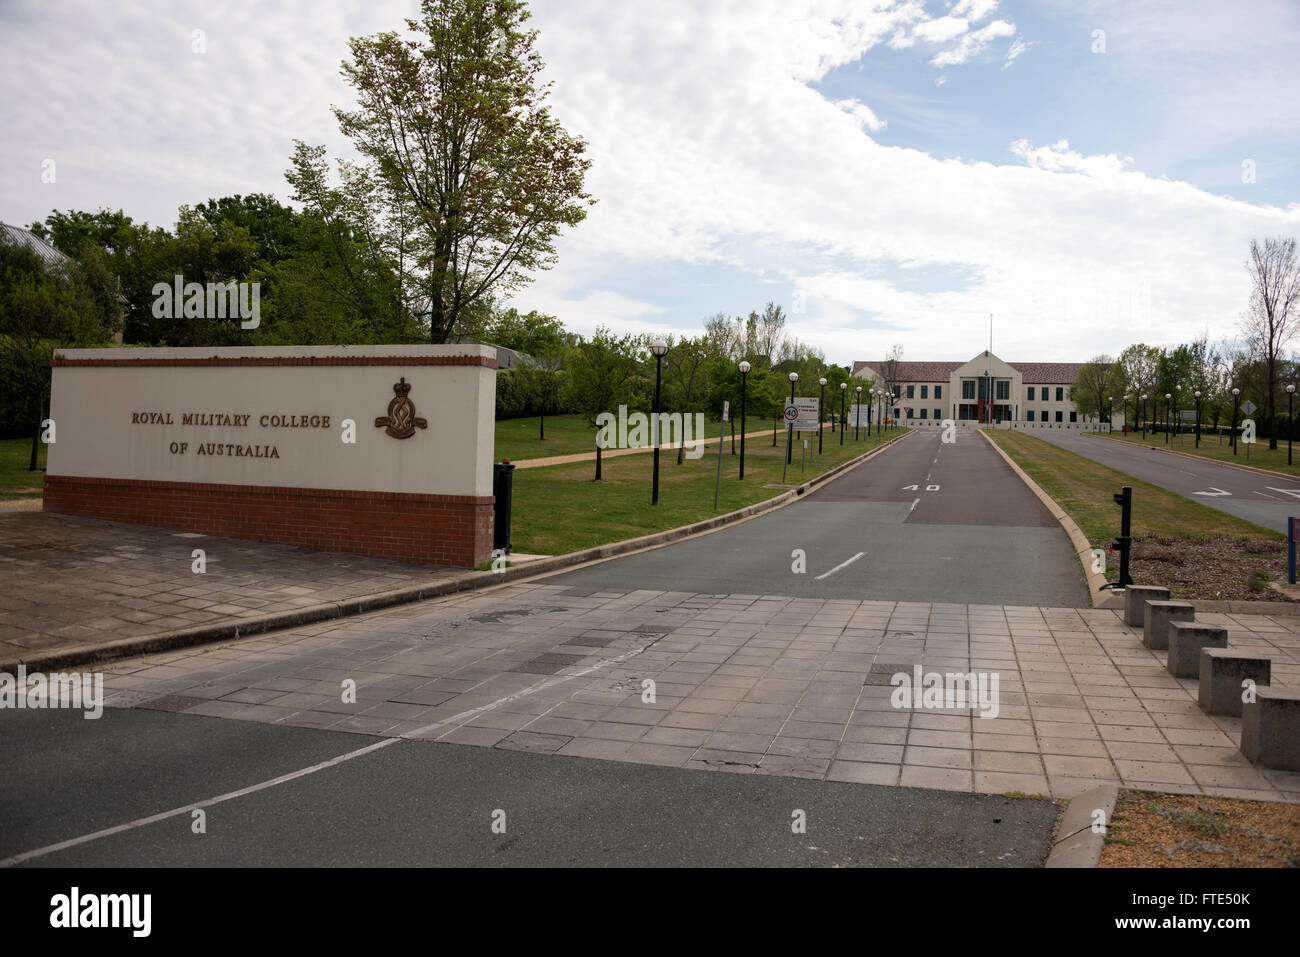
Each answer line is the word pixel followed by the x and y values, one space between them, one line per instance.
pixel 401 420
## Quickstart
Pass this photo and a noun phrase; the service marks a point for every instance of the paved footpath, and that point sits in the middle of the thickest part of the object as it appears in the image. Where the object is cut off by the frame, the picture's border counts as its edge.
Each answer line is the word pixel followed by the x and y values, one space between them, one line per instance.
pixel 67 581
pixel 1266 500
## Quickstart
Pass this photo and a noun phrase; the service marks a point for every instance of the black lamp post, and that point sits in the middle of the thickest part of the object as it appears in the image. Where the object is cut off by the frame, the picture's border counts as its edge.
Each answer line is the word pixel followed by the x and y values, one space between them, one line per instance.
pixel 1144 417
pixel 870 405
pixel 789 442
pixel 821 411
pixel 857 419
pixel 659 348
pixel 844 390
pixel 881 395
pixel 1198 418
pixel 1110 414
pixel 744 373
pixel 1236 397
pixel 1168 414
pixel 1290 394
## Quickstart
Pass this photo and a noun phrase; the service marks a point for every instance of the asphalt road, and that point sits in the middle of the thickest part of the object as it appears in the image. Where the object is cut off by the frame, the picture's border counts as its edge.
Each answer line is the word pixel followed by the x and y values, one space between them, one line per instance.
pixel 922 521
pixel 420 803
pixel 1266 500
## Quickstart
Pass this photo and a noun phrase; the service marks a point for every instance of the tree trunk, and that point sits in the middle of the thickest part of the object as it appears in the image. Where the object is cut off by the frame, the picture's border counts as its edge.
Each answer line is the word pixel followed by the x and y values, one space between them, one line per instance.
pixel 541 426
pixel 36 436
pixel 774 422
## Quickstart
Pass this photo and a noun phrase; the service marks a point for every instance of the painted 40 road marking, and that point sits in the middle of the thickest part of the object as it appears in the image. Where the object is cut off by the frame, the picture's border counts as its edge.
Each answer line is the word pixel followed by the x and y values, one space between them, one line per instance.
pixel 916 488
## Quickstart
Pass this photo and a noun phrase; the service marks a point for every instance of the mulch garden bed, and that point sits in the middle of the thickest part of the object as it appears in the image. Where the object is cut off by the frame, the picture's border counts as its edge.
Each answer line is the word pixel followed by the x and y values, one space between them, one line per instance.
pixel 1225 569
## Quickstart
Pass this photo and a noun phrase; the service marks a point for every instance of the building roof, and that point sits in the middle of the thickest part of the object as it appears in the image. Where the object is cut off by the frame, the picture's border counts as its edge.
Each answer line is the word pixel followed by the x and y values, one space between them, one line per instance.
pixel 1033 373
pixel 48 253
pixel 1055 373
pixel 914 371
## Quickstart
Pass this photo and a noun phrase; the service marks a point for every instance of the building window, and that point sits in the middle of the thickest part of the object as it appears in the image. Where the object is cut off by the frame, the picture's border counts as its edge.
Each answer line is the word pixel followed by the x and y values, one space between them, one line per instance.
pixel 1031 396
pixel 911 391
pixel 1074 416
pixel 968 388
pixel 937 413
pixel 923 413
pixel 925 392
pixel 1030 413
pixel 1060 394
pixel 938 392
pixel 1058 415
pixel 1003 390
pixel 896 391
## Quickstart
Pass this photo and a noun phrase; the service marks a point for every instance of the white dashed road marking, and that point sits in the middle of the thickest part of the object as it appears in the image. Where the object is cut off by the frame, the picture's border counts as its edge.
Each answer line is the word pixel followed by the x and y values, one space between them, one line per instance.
pixel 842 565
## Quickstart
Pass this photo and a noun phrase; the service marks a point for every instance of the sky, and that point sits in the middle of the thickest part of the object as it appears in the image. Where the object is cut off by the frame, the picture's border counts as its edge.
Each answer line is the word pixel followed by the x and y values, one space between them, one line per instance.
pixel 1087 173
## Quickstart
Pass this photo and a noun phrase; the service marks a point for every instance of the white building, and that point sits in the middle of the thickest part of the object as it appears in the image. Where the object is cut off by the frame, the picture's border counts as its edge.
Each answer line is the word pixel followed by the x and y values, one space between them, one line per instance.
pixel 986 391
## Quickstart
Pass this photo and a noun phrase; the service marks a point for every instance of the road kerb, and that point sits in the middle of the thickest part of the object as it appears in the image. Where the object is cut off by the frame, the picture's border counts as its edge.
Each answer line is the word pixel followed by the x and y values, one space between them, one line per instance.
pixel 99 653
pixel 1081 834
pixel 1101 598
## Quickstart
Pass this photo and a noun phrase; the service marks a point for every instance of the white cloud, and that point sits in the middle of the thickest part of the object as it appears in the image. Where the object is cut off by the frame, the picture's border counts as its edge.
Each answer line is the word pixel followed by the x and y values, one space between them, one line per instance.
pixel 973 10
pixel 711 152
pixel 941 30
pixel 866 118
pixel 973 44
pixel 1018 46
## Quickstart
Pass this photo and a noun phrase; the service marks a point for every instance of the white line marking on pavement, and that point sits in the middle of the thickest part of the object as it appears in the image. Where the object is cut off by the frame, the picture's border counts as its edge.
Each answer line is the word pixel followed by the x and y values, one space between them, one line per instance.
pixel 1214 492
pixel 303 772
pixel 1293 492
pixel 914 504
pixel 1266 495
pixel 176 812
pixel 842 565
pixel 545 683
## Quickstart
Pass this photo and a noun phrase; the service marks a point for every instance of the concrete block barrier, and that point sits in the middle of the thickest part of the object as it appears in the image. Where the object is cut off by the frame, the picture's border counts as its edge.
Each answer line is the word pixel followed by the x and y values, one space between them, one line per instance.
pixel 1270 728
pixel 1135 599
pixel 1224 672
pixel 1185 639
pixel 1155 629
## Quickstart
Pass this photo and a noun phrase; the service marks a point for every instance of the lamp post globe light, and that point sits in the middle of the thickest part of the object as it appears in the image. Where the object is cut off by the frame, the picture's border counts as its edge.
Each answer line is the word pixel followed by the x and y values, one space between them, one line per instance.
pixel 660 349
pixel 789 444
pixel 844 390
pixel 857 418
pixel 1236 396
pixel 1168 414
pixel 1144 416
pixel 821 410
pixel 744 373
pixel 1197 393
pixel 1290 396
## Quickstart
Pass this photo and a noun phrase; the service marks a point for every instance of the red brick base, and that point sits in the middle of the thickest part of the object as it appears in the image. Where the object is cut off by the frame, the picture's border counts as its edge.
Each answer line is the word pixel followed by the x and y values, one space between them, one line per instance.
pixel 451 530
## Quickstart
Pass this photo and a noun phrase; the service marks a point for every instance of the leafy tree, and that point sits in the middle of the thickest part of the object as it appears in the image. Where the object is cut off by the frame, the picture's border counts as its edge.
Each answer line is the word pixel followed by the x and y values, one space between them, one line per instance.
pixel 466 177
pixel 1094 384
pixel 1270 320
pixel 42 308
pixel 603 373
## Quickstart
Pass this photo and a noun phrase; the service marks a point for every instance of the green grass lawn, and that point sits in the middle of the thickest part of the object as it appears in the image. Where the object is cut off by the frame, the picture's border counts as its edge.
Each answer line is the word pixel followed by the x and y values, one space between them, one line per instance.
pixel 1084 488
pixel 516 439
pixel 15 480
pixel 1220 448
pixel 1195 550
pixel 561 508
